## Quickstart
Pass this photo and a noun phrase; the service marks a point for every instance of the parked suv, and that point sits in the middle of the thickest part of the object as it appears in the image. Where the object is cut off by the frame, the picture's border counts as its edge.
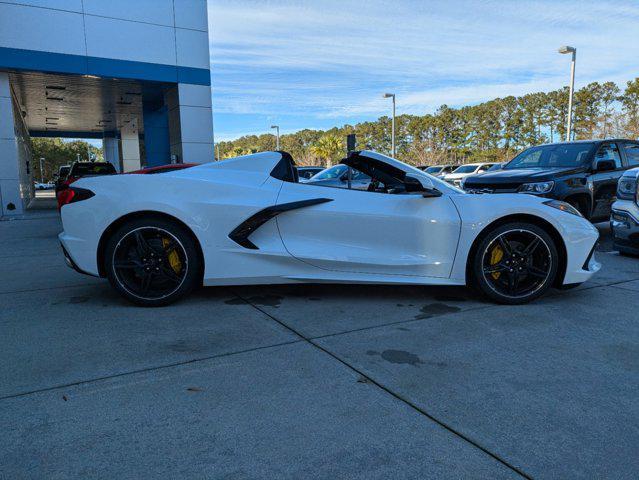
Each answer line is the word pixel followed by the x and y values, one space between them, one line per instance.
pixel 583 174
pixel 624 220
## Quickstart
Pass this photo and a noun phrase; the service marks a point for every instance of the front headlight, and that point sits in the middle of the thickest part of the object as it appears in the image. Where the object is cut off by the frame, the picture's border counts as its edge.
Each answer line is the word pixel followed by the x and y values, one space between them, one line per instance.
pixel 627 188
pixel 537 188
pixel 563 206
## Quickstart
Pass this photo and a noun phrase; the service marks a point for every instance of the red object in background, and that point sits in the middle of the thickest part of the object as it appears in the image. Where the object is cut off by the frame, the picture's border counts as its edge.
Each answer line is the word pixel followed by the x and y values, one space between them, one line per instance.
pixel 163 168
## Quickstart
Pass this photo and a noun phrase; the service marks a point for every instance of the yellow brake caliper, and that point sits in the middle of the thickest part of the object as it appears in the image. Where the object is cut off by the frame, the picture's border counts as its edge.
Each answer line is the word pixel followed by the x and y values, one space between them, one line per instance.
pixel 174 258
pixel 495 257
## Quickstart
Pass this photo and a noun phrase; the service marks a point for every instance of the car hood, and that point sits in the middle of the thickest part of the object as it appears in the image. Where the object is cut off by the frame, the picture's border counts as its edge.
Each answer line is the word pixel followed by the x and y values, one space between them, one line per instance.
pixel 522 175
pixel 454 176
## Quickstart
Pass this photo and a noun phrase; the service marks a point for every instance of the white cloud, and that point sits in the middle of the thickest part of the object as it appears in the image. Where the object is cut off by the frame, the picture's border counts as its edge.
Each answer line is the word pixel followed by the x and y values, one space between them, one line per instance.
pixel 333 58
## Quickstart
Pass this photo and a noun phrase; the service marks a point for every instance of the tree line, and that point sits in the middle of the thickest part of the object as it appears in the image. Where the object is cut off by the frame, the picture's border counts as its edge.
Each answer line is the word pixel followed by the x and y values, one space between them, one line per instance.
pixel 490 131
pixel 57 152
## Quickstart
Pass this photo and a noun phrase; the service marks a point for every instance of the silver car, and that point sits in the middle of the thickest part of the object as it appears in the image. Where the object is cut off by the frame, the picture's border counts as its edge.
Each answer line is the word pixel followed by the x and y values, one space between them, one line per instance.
pixel 439 170
pixel 337 176
pixel 624 219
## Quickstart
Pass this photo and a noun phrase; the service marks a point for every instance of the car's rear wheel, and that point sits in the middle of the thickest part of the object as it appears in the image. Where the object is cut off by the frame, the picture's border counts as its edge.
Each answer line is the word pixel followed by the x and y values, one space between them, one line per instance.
pixel 152 262
pixel 515 263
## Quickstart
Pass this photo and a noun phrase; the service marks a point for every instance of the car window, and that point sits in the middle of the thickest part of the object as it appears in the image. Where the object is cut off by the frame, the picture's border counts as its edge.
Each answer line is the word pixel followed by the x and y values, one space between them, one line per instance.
pixel 332 172
pixel 632 153
pixel 432 170
pixel 336 176
pixel 527 158
pixel 357 175
pixel 97 168
pixel 306 172
pixel 554 155
pixel 466 169
pixel 609 151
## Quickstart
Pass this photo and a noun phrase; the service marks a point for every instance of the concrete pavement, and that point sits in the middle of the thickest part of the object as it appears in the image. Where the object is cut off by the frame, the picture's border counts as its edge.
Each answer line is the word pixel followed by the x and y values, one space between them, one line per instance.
pixel 311 381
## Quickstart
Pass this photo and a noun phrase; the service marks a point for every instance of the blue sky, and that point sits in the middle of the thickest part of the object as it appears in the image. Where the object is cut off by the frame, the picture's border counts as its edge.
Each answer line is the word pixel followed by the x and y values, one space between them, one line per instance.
pixel 322 63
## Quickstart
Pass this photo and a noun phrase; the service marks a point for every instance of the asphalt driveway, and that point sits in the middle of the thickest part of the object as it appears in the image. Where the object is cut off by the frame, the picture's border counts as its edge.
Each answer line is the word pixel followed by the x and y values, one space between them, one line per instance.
pixel 312 381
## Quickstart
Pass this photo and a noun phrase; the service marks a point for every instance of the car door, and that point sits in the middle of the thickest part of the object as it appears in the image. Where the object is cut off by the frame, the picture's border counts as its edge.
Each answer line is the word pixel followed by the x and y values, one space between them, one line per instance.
pixel 631 153
pixel 368 232
pixel 604 183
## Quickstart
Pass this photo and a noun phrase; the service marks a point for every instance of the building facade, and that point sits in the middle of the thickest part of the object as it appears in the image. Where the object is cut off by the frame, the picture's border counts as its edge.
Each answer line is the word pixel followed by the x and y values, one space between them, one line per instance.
pixel 133 73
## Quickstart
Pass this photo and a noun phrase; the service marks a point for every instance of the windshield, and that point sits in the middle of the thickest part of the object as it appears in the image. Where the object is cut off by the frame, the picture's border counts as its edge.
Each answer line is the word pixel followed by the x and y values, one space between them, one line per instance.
pixel 548 156
pixel 497 166
pixel 338 171
pixel 432 170
pixel 332 172
pixel 465 169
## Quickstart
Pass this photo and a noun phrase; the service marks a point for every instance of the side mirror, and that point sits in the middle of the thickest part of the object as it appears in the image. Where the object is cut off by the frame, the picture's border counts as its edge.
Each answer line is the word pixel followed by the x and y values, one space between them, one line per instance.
pixel 431 192
pixel 414 184
pixel 605 165
pixel 422 185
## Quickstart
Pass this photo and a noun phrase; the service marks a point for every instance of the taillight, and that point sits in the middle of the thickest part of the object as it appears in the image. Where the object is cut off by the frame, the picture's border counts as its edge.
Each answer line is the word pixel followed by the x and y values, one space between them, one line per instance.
pixel 72 195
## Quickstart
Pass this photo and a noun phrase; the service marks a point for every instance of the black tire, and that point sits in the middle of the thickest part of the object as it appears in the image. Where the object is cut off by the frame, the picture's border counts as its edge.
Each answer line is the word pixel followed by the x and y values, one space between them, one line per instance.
pixel 152 262
pixel 628 253
pixel 517 276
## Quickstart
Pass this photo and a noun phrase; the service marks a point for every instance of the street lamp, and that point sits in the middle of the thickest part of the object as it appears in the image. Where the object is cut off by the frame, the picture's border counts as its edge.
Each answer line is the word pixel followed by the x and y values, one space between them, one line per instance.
pixel 277 136
pixel 564 50
pixel 392 95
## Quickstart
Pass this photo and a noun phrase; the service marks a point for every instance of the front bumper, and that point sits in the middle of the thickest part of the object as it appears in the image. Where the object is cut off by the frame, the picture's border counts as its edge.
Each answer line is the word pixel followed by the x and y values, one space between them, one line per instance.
pixel 580 239
pixel 624 223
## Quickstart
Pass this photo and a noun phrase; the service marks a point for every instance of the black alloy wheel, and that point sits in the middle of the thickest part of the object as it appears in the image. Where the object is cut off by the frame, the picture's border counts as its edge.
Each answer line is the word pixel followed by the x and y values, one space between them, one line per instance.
pixel 152 263
pixel 516 263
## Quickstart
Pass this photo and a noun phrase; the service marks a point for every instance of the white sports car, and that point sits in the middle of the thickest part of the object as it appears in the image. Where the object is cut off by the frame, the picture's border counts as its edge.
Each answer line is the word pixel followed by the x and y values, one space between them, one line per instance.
pixel 249 221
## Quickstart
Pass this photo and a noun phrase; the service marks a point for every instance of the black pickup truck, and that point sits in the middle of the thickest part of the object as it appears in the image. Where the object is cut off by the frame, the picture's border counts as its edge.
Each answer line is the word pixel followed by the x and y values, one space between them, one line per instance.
pixel 583 173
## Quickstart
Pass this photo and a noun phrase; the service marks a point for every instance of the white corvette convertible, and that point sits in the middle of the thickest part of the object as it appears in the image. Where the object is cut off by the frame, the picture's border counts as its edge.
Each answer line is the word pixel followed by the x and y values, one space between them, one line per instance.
pixel 249 221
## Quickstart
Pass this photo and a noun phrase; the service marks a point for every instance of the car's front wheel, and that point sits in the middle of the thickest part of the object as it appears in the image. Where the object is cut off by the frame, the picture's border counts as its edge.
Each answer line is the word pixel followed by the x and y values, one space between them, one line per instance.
pixel 515 263
pixel 152 262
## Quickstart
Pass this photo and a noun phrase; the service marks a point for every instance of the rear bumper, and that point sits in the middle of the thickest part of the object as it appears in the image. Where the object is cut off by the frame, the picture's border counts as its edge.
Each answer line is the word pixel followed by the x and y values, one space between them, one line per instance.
pixel 78 256
pixel 70 263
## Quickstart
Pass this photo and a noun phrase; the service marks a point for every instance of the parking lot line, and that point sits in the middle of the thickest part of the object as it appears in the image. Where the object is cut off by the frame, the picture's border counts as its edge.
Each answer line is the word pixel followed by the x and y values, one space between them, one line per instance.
pixel 394 394
pixel 143 370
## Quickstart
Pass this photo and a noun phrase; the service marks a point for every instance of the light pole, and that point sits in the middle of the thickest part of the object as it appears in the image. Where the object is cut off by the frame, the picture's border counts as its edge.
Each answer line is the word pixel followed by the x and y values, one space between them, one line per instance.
pixel 573 50
pixel 392 95
pixel 41 171
pixel 277 136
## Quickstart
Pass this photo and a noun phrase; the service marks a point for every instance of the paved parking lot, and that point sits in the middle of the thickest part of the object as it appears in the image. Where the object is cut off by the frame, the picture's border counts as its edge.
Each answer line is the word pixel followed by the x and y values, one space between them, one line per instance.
pixel 312 381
